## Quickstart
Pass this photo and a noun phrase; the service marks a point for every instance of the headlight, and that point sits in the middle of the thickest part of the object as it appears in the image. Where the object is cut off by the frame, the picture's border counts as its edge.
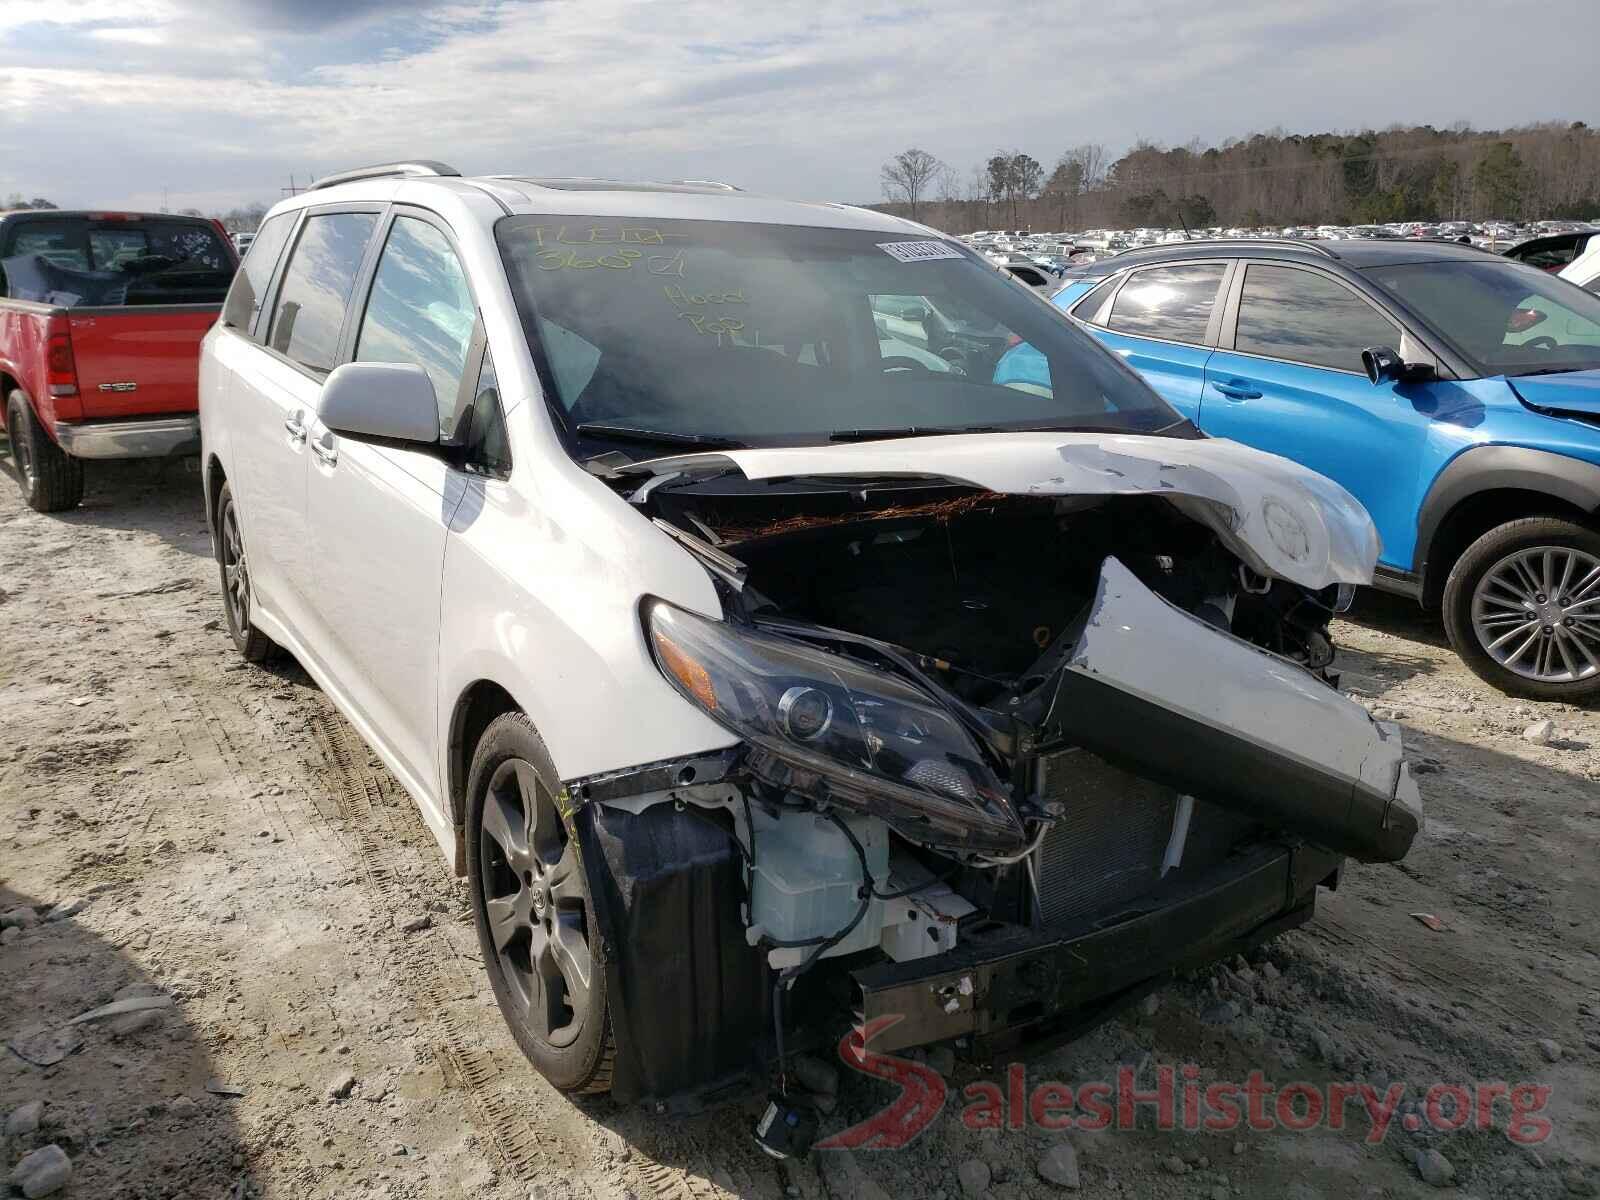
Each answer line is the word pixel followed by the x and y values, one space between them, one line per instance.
pixel 881 744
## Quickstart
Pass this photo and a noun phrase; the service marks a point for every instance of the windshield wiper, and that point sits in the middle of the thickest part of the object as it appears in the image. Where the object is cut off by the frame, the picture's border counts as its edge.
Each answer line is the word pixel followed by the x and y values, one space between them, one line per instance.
pixel 657 437
pixel 872 435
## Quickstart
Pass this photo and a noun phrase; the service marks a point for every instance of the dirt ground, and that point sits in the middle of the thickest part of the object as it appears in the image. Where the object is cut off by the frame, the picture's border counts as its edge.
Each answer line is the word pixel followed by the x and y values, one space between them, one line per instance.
pixel 322 1026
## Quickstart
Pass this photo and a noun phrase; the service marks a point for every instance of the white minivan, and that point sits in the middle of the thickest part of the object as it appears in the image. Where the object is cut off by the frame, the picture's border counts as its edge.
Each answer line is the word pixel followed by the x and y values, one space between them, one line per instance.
pixel 768 664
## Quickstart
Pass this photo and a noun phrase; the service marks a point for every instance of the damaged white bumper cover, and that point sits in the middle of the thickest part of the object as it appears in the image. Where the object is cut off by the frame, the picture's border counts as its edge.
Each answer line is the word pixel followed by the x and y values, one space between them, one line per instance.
pixel 1165 693
pixel 1278 517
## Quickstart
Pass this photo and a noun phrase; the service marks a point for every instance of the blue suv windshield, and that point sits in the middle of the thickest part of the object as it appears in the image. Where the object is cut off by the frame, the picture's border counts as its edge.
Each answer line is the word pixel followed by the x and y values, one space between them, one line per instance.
pixel 1505 318
pixel 781 334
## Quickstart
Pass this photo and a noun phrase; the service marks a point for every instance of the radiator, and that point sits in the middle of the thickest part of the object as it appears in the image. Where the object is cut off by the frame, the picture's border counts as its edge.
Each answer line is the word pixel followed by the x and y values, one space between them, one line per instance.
pixel 1107 848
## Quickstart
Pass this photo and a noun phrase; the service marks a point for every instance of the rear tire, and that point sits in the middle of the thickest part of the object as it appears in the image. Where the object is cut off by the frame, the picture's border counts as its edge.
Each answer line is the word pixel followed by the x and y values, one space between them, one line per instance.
pixel 523 859
pixel 234 570
pixel 51 479
pixel 1522 608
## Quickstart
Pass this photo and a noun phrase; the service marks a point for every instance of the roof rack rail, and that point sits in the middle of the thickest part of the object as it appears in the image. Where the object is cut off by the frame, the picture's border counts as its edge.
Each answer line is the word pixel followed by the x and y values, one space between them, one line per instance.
pixel 1312 244
pixel 714 183
pixel 422 166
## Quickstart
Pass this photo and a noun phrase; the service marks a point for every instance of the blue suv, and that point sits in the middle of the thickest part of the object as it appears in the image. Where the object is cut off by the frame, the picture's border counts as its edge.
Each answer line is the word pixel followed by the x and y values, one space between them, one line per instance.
pixel 1454 392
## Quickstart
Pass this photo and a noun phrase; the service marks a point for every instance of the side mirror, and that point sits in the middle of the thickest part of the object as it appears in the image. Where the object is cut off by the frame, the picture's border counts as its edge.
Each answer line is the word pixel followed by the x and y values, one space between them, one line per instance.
pixel 381 400
pixel 1384 365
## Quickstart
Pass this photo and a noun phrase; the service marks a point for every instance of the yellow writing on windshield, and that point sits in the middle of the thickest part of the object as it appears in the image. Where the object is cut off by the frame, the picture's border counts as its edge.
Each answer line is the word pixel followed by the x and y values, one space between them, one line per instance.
pixel 667 264
pixel 566 259
pixel 589 235
pixel 717 327
pixel 682 299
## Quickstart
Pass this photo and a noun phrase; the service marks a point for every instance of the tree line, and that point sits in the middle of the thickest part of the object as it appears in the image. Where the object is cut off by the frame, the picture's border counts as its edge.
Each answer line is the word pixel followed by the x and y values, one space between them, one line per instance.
pixel 1267 179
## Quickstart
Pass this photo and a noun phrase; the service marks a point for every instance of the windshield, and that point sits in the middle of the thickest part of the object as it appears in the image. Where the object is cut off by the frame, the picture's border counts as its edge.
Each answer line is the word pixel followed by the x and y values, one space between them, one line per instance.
pixel 110 262
pixel 1508 319
pixel 771 335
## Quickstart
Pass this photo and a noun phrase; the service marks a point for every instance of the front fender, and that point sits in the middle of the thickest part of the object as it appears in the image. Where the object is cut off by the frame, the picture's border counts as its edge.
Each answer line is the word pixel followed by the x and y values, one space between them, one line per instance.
pixel 1501 468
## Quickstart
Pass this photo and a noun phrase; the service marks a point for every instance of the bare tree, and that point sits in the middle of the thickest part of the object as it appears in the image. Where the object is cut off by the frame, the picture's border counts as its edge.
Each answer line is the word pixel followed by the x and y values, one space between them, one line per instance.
pixel 907 175
pixel 1091 158
pixel 978 192
pixel 1063 186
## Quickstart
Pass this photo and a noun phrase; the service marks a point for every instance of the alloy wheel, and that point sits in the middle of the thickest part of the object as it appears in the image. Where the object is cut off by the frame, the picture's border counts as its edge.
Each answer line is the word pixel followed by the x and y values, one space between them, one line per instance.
pixel 235 570
pixel 1536 612
pixel 536 903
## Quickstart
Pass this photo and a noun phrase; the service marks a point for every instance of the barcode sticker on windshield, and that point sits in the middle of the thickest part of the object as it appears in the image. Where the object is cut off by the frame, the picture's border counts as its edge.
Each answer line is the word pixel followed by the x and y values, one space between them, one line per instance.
pixel 919 251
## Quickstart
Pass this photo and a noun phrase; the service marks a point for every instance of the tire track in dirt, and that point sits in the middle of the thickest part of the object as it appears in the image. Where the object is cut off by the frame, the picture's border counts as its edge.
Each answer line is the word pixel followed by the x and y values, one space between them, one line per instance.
pixel 357 794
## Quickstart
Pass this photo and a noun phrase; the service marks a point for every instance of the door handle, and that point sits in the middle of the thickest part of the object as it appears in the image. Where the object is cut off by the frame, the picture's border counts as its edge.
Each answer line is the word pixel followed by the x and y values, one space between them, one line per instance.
pixel 326 449
pixel 296 428
pixel 1237 389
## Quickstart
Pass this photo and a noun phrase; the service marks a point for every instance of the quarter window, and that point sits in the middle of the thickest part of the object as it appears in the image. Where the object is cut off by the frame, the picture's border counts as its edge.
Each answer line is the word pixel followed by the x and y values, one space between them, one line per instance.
pixel 317 285
pixel 1307 318
pixel 1088 308
pixel 482 434
pixel 420 311
pixel 250 284
pixel 1172 303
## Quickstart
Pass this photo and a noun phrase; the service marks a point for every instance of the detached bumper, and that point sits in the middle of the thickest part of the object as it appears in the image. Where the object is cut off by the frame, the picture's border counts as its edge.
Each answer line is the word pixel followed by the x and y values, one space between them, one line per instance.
pixel 153 437
pixel 1019 985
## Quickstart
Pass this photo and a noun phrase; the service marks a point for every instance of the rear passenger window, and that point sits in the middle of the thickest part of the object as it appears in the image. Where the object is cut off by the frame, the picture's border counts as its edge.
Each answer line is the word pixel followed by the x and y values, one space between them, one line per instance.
pixel 420 311
pixel 250 284
pixel 60 243
pixel 1307 318
pixel 1173 303
pixel 317 286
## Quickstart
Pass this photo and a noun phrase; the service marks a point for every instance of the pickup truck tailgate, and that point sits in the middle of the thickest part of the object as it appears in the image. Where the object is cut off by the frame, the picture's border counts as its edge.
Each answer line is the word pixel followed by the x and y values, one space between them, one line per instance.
pixel 139 361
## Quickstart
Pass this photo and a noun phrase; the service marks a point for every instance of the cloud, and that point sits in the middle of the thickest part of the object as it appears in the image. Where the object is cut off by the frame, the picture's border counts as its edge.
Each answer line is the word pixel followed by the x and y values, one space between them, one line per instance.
pixel 224 98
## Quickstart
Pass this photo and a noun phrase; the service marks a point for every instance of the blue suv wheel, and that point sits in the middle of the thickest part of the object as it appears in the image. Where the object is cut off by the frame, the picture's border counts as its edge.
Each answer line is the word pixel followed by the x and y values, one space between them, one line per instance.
pixel 1522 608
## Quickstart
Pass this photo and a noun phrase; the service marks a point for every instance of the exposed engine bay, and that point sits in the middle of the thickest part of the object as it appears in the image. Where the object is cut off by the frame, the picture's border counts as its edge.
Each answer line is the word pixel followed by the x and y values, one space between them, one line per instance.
pixel 980 585
pixel 974 723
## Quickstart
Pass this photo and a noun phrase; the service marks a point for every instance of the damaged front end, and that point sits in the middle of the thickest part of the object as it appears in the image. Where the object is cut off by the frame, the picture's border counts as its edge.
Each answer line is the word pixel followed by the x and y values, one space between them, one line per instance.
pixel 1006 754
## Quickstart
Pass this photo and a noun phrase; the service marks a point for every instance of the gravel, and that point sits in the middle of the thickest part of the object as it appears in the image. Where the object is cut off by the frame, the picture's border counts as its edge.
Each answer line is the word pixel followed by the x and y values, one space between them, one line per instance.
pixel 42 1173
pixel 1434 1168
pixel 973 1176
pixel 1060 1166
pixel 341 1085
pixel 24 1119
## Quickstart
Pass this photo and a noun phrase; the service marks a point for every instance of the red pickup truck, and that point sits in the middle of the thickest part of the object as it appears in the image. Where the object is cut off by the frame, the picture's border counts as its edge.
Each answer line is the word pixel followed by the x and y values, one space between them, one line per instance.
pixel 101 316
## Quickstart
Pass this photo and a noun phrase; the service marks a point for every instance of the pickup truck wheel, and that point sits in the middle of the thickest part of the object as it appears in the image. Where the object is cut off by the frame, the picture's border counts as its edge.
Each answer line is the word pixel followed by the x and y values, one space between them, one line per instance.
pixel 234 568
pixel 530 897
pixel 52 480
pixel 1522 608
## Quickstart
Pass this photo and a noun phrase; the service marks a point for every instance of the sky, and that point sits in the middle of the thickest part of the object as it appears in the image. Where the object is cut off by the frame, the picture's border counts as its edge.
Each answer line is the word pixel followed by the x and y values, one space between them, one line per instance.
pixel 214 103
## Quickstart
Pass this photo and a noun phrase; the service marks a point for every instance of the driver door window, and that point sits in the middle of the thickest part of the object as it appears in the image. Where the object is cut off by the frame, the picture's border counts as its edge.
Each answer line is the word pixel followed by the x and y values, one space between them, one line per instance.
pixel 420 311
pixel 1304 317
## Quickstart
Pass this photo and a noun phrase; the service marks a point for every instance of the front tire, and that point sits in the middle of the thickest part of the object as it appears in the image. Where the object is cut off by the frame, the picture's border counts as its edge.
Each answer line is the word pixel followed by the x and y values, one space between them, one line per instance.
pixel 1522 608
pixel 52 480
pixel 234 569
pixel 530 899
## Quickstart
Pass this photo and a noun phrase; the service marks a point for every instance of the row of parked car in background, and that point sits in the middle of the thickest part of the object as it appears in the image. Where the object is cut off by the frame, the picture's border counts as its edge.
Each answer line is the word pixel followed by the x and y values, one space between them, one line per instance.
pixel 1034 257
